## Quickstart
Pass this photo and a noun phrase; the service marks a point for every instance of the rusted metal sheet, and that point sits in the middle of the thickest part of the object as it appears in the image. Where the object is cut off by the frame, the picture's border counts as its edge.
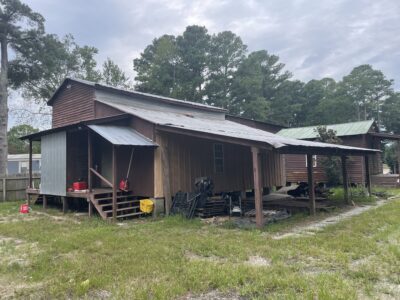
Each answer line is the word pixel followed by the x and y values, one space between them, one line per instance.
pixel 214 125
pixel 122 135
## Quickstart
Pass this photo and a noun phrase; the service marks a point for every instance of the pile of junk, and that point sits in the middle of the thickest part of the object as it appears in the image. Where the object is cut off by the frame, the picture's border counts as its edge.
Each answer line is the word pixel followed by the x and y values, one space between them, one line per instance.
pixel 204 203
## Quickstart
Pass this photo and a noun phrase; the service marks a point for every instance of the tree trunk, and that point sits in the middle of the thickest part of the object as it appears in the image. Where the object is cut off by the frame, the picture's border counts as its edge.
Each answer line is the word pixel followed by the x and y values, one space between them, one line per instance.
pixel 3 106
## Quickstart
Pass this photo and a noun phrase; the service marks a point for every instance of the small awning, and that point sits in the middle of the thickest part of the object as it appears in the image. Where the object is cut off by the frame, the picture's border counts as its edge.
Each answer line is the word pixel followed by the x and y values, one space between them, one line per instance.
pixel 122 135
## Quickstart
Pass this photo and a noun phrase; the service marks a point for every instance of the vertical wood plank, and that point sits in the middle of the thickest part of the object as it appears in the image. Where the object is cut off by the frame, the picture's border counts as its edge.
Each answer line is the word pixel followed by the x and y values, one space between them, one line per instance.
pixel 257 187
pixel 166 178
pixel 65 204
pixel 90 162
pixel 367 174
pixel 4 189
pixel 30 164
pixel 345 179
pixel 114 182
pixel 310 176
pixel 90 208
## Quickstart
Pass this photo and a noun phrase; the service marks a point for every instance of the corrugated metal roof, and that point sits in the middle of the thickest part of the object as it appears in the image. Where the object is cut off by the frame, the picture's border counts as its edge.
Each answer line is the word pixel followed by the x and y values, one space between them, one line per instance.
pixel 343 129
pixel 219 127
pixel 122 135
pixel 133 93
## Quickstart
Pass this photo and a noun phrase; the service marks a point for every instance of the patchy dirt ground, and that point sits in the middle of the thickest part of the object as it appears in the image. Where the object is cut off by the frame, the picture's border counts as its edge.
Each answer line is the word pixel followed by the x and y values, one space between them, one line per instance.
pixel 311 229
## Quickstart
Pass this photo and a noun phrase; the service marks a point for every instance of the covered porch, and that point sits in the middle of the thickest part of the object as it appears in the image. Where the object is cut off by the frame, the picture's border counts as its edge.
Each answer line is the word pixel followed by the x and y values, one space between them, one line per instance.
pixel 89 161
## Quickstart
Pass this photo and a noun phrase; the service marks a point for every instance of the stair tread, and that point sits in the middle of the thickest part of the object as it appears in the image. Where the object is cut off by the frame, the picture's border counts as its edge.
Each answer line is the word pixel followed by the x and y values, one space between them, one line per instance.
pixel 122 209
pixel 128 215
pixel 118 197
pixel 118 203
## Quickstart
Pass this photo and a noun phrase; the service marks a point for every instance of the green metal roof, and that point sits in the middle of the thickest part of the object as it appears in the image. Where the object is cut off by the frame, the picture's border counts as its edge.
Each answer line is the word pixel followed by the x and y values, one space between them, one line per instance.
pixel 344 129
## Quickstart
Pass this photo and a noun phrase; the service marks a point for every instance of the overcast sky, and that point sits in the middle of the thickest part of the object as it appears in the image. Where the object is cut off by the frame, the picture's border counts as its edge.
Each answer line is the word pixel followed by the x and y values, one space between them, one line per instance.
pixel 314 38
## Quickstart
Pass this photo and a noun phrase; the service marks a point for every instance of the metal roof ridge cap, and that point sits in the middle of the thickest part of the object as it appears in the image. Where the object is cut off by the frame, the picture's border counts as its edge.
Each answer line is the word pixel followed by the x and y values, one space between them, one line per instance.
pixel 162 98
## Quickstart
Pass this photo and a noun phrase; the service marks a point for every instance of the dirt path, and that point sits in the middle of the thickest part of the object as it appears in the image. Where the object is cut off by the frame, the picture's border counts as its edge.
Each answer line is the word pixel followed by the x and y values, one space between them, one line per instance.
pixel 311 229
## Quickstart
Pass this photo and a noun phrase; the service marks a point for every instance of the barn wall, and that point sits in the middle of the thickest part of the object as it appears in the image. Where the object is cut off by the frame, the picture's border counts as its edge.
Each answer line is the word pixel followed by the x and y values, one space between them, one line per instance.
pixel 296 170
pixel 77 160
pixel 73 104
pixel 191 157
pixel 103 110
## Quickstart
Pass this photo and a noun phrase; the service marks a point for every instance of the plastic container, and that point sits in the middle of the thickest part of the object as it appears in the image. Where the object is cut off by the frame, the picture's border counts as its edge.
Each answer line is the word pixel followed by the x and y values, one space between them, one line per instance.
pixel 146 206
pixel 79 185
pixel 24 209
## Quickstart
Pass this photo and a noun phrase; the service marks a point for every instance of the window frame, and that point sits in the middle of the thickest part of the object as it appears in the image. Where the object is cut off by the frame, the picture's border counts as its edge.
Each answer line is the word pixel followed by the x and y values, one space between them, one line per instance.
pixel 219 161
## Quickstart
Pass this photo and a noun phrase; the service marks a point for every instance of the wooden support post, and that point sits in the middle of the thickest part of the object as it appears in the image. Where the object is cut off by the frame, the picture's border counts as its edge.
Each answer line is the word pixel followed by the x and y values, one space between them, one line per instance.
pixel 311 191
pixel 44 202
pixel 345 179
pixel 367 175
pixel 30 164
pixel 90 162
pixel 166 179
pixel 4 189
pixel 257 187
pixel 114 182
pixel 65 204
pixel 90 204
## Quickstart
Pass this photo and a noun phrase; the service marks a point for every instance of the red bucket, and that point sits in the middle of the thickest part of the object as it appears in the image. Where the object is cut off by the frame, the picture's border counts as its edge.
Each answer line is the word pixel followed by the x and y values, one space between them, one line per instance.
pixel 24 209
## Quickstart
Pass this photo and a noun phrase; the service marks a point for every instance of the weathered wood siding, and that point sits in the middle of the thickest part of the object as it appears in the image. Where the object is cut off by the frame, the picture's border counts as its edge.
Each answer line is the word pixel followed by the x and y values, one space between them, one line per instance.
pixel 190 158
pixel 296 170
pixel 73 104
pixel 103 110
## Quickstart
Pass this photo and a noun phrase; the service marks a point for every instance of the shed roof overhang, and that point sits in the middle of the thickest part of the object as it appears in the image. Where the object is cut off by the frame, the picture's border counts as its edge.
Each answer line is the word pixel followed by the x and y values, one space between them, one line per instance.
pixel 122 135
pixel 76 126
pixel 386 136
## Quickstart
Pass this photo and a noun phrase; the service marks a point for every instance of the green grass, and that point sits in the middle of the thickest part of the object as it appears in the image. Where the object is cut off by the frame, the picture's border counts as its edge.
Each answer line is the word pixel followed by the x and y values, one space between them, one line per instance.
pixel 168 258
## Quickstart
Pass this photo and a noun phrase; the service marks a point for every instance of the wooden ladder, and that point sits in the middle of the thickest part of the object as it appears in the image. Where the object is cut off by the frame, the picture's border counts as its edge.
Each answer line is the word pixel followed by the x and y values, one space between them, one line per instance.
pixel 128 206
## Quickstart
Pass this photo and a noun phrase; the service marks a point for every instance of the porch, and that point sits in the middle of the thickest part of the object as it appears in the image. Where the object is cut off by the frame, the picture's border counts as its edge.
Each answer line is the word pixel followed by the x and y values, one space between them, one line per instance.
pixel 100 157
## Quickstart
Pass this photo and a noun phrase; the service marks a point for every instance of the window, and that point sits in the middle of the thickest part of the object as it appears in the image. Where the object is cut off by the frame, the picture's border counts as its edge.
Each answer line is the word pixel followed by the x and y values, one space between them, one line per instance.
pixel 218 158
pixel 314 161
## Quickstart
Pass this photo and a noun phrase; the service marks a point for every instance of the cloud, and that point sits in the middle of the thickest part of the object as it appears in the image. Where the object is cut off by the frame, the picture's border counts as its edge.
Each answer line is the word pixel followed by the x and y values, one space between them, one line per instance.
pixel 314 38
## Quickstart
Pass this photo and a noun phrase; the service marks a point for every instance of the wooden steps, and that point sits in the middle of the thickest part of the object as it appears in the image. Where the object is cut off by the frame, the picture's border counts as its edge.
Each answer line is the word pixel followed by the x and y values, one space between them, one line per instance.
pixel 127 205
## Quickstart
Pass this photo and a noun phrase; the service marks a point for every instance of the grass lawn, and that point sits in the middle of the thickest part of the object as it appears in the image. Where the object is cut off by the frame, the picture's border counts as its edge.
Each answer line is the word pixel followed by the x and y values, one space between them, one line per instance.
pixel 56 256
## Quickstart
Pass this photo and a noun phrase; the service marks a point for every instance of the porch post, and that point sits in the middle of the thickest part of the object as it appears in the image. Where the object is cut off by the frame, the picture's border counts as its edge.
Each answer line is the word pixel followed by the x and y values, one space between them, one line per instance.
pixel 114 182
pixel 310 176
pixel 367 174
pixel 257 187
pixel 90 161
pixel 44 202
pixel 345 179
pixel 30 163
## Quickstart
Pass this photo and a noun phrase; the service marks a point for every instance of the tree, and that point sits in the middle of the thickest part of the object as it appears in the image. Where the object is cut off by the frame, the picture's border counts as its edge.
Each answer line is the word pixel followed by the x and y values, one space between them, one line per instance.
pixel 367 89
pixel 193 47
pixel 255 84
pixel 226 53
pixel 330 163
pixel 18 146
pixel 157 67
pixel 19 26
pixel 41 72
pixel 391 113
pixel 391 156
pixel 113 75
pixel 288 103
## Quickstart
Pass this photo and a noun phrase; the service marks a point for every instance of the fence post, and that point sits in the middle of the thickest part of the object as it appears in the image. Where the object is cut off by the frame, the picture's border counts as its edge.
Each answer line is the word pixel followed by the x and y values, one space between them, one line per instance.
pixel 4 189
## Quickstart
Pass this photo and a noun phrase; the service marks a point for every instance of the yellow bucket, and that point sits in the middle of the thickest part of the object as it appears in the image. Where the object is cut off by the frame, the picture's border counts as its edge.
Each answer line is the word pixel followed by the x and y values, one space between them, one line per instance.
pixel 146 206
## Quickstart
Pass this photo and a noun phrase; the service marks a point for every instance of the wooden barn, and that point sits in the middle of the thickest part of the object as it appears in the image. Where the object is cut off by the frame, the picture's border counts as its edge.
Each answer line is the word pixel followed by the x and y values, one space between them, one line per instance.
pixel 363 134
pixel 97 129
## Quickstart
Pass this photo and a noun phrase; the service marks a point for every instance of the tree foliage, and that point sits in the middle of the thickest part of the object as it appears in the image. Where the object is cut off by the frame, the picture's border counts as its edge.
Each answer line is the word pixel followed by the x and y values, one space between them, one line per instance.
pixel 330 163
pixel 20 28
pixel 16 145
pixel 217 70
